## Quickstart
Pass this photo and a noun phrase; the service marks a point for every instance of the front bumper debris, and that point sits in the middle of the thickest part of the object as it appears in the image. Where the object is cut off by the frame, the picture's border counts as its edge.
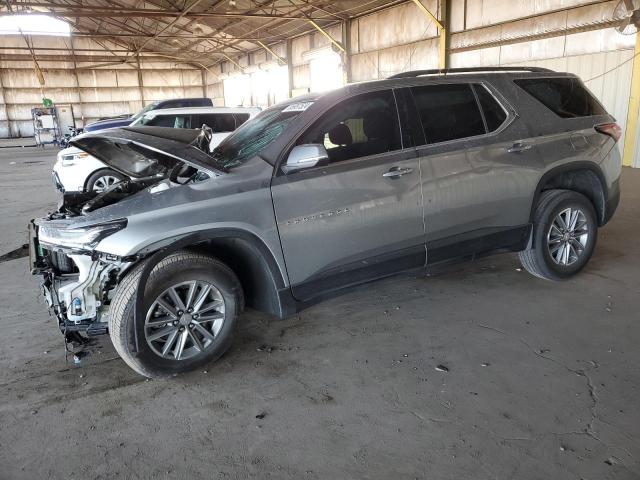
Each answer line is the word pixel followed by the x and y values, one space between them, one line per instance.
pixel 76 286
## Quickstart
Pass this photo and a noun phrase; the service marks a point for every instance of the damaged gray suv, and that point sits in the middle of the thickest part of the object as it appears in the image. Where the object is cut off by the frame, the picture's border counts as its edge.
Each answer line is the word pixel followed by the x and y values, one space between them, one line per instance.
pixel 320 193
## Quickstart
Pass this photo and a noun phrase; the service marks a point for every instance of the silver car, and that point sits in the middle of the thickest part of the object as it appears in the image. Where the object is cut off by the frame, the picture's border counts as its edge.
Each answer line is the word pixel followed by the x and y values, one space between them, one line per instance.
pixel 321 193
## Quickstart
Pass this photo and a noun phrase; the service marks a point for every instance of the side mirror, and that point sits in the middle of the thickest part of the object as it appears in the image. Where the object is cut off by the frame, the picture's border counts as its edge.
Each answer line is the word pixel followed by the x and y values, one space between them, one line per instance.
pixel 305 156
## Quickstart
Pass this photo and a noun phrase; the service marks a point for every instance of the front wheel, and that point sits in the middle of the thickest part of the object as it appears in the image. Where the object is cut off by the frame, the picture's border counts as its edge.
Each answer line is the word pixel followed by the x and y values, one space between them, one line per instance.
pixel 191 304
pixel 565 230
pixel 103 180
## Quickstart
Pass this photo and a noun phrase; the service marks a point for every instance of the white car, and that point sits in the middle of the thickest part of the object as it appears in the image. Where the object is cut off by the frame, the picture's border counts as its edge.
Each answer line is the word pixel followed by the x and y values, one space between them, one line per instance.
pixel 75 171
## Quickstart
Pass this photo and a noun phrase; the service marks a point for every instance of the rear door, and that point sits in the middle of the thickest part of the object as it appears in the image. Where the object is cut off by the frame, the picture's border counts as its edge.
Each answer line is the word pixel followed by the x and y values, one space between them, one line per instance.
pixel 471 166
pixel 360 217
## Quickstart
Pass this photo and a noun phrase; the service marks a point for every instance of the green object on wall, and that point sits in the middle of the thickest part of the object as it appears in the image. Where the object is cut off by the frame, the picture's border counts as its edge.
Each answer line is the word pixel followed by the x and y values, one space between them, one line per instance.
pixel 47 102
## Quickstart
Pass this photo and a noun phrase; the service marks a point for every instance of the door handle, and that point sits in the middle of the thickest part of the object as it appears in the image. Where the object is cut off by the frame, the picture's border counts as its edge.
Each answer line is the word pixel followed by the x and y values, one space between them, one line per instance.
pixel 519 147
pixel 397 172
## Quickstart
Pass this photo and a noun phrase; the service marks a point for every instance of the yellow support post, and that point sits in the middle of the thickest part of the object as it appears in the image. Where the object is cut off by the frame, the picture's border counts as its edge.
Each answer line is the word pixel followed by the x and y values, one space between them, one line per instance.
pixel 442 49
pixel 630 140
pixel 281 61
pixel 240 67
pixel 443 44
pixel 329 37
pixel 426 11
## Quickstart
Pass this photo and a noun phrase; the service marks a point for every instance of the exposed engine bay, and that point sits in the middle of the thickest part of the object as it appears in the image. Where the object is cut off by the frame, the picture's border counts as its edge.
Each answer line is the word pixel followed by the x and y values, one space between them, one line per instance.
pixel 143 164
pixel 77 281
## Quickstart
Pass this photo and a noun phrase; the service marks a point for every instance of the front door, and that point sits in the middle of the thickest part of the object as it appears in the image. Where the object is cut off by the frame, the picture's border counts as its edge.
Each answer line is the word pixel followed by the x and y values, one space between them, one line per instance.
pixel 360 217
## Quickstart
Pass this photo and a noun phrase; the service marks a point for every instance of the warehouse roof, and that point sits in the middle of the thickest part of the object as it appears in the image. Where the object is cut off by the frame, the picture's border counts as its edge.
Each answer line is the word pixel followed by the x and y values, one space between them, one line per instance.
pixel 198 31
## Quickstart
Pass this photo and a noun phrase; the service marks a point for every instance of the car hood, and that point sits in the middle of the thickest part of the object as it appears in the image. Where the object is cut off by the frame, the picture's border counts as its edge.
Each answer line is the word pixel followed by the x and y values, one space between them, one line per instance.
pixel 141 152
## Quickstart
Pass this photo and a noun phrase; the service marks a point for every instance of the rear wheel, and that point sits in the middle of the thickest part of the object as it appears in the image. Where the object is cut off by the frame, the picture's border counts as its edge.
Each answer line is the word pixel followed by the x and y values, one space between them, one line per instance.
pixel 564 235
pixel 191 306
pixel 103 179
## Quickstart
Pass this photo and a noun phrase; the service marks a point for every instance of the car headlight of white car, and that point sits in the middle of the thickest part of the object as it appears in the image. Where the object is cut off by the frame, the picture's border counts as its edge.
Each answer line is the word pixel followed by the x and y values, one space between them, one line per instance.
pixel 82 237
pixel 71 159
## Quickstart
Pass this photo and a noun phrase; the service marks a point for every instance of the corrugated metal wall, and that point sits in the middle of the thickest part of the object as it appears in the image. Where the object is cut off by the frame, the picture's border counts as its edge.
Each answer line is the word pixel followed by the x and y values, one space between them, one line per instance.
pixel 92 92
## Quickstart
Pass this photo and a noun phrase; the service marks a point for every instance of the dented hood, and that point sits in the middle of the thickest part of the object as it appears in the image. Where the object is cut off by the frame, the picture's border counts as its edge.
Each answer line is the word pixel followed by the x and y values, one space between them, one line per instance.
pixel 140 152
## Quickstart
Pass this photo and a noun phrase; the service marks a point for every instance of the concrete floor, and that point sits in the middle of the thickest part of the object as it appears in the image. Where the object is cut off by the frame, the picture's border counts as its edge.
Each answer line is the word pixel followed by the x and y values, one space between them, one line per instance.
pixel 542 383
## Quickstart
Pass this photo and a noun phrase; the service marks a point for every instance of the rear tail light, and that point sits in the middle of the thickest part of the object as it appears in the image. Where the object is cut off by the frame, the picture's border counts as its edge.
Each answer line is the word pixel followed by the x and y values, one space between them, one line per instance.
pixel 611 129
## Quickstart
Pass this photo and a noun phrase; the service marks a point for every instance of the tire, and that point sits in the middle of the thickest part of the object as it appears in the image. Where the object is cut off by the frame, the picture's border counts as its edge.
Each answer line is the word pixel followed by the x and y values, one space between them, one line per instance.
pixel 177 268
pixel 102 179
pixel 546 257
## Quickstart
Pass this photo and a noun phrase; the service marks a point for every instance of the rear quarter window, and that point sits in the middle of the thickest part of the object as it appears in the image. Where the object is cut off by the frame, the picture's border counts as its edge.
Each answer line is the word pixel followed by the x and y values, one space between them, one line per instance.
pixel 494 114
pixel 567 97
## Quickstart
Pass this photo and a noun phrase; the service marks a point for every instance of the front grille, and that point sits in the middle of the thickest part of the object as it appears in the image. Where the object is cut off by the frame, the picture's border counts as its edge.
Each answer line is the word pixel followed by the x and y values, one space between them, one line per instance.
pixel 61 262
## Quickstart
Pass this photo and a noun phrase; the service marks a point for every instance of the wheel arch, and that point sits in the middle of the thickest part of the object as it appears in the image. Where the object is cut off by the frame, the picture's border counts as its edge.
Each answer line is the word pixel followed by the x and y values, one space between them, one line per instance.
pixel 248 256
pixel 582 177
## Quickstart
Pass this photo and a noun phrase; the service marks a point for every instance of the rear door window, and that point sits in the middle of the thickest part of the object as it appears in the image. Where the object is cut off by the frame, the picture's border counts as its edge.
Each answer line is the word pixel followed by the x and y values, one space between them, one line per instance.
pixel 448 112
pixel 567 97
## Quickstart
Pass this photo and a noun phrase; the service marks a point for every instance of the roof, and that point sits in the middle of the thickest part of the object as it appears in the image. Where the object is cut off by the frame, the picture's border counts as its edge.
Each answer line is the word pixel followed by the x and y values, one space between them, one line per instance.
pixel 187 110
pixel 472 75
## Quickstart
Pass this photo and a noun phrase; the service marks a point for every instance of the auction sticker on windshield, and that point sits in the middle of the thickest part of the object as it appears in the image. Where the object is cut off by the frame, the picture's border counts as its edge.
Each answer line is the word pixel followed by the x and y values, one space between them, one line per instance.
pixel 298 107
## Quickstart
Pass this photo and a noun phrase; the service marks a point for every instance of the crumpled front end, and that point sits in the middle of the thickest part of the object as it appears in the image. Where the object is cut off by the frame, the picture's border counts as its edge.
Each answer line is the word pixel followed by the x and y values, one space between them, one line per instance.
pixel 78 279
pixel 76 284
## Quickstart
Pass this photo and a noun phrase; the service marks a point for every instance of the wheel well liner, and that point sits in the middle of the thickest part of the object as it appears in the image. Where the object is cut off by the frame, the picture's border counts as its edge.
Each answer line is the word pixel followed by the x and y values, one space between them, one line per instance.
pixel 582 177
pixel 250 261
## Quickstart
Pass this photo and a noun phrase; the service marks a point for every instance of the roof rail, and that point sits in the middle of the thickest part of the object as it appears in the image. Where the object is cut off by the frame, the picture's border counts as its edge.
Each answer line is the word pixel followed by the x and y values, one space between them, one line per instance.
pixel 445 71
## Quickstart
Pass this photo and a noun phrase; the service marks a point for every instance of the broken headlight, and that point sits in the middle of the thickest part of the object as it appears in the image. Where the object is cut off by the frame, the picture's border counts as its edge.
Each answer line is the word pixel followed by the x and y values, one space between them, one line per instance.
pixel 83 237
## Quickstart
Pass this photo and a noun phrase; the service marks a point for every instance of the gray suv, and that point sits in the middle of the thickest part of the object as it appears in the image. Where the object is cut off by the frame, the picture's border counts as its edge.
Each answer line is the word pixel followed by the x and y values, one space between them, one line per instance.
pixel 320 193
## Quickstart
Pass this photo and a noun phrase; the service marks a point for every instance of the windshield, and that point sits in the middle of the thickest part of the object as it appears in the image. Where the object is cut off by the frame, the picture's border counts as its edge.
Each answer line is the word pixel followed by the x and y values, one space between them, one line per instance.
pixel 148 108
pixel 253 136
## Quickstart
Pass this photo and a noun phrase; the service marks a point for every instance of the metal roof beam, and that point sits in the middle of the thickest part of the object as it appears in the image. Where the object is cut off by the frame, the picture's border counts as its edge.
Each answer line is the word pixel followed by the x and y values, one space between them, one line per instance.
pixel 94 11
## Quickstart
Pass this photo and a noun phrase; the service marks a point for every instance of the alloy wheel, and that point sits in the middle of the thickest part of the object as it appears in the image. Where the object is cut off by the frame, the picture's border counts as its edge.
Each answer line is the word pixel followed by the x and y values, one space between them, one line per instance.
pixel 184 320
pixel 568 236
